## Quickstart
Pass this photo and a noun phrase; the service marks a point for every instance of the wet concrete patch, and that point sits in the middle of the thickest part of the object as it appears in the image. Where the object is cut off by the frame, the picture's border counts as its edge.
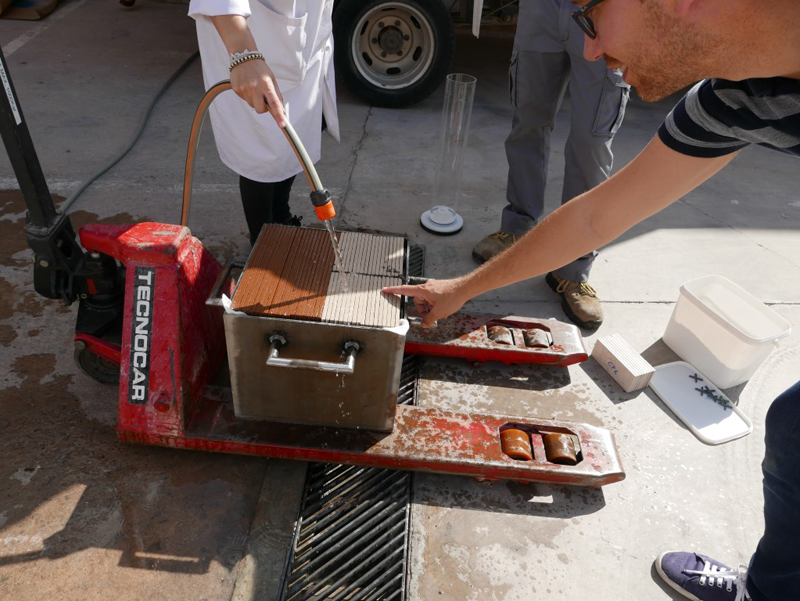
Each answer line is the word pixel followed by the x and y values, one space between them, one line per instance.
pixel 90 504
pixel 7 299
pixel 12 223
pixel 80 218
pixel 21 299
pixel 12 227
pixel 7 335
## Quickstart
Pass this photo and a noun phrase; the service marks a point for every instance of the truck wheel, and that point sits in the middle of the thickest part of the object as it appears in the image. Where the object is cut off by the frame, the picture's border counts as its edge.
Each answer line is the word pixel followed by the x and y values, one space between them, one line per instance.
pixel 392 53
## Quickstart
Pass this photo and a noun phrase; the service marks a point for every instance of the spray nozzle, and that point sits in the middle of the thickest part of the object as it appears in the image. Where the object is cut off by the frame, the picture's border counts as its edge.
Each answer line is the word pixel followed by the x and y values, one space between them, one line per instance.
pixel 323 205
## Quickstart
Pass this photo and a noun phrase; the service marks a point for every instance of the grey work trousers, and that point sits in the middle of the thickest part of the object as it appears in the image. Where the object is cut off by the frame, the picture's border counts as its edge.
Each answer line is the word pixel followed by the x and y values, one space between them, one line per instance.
pixel 547 58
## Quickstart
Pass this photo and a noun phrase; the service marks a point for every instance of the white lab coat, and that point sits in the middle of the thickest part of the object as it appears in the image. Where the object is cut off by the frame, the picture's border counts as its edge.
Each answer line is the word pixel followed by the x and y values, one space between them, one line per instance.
pixel 295 37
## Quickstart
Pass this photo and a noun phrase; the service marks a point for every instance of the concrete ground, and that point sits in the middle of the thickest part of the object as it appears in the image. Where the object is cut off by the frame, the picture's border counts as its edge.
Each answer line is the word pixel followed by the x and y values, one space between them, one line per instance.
pixel 83 516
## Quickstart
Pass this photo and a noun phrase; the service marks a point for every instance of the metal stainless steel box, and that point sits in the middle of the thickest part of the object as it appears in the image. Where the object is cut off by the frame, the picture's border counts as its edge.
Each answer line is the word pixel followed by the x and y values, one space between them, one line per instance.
pixel 365 399
pixel 309 345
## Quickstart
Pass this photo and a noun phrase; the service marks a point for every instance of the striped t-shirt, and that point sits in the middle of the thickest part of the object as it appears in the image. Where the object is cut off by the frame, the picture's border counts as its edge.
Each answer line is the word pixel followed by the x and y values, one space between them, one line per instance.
pixel 718 117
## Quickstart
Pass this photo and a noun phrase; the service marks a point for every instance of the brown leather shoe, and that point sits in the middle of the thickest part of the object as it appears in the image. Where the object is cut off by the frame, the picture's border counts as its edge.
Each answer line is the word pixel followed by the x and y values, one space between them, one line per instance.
pixel 493 245
pixel 578 299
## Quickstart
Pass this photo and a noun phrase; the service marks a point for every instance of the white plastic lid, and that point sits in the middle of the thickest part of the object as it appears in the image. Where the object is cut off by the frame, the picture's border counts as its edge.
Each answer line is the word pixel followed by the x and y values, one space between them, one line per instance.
pixel 736 309
pixel 706 411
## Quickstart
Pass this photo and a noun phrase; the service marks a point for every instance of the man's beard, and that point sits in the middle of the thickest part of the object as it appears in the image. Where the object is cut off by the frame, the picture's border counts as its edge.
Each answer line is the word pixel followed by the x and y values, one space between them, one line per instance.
pixel 677 56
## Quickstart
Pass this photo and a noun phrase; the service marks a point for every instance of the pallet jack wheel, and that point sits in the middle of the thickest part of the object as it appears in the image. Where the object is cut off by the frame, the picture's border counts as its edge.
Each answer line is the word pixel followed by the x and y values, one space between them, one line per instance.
pixel 560 448
pixel 96 367
pixel 516 444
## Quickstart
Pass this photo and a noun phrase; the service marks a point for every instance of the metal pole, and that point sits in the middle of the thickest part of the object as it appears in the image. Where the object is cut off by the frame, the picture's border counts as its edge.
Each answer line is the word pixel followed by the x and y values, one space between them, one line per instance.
pixel 17 139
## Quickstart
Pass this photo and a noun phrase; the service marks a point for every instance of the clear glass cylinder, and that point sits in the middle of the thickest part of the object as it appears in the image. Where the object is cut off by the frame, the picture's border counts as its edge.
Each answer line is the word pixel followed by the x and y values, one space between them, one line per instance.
pixel 456 116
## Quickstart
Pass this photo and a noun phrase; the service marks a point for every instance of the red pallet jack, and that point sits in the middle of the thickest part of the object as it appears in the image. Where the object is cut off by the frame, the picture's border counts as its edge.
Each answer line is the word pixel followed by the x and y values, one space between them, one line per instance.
pixel 143 319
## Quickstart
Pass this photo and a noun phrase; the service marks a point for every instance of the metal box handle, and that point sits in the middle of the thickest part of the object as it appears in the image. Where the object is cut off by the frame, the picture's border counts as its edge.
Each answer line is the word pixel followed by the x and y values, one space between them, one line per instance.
pixel 215 298
pixel 351 348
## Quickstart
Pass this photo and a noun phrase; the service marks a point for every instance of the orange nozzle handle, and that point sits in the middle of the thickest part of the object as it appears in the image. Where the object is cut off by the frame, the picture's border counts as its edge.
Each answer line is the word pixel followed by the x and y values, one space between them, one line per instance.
pixel 326 211
pixel 323 204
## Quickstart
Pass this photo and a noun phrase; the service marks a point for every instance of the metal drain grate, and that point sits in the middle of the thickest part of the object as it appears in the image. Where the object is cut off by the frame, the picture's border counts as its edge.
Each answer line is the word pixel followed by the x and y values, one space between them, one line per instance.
pixel 352 536
pixel 351 544
pixel 407 393
pixel 416 261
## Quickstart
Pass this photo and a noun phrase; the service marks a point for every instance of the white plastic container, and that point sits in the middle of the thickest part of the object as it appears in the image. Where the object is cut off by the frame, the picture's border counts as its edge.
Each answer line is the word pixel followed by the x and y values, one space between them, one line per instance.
pixel 723 330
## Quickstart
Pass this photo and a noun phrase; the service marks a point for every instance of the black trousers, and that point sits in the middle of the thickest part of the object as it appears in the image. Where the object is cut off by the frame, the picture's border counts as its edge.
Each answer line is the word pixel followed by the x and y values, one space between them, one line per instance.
pixel 265 202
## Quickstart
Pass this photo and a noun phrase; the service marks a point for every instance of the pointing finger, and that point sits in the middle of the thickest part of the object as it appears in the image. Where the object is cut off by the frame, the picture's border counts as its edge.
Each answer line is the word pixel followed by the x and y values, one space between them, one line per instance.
pixel 401 290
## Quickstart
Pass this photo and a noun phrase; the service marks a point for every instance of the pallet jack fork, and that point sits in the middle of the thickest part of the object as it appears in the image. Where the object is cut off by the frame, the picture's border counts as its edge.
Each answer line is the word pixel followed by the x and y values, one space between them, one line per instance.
pixel 144 289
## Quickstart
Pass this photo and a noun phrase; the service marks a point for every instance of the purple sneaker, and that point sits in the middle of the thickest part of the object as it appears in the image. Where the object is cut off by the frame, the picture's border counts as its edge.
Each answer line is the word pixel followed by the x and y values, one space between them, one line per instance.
pixel 701 578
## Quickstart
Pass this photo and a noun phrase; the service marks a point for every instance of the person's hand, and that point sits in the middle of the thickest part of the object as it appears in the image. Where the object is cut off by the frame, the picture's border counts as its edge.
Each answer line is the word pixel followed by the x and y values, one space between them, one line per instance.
pixel 255 83
pixel 434 300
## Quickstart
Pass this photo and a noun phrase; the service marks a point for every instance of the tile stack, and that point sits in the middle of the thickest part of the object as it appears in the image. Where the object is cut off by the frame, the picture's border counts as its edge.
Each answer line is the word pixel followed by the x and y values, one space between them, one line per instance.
pixel 625 365
pixel 291 273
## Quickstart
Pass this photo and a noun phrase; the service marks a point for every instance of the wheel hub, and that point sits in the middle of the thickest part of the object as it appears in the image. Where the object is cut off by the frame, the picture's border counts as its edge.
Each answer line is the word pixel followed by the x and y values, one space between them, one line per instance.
pixel 390 37
pixel 390 40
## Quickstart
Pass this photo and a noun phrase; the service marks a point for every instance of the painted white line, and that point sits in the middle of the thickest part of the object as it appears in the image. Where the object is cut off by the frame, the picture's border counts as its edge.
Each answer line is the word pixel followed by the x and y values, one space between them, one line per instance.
pixel 26 37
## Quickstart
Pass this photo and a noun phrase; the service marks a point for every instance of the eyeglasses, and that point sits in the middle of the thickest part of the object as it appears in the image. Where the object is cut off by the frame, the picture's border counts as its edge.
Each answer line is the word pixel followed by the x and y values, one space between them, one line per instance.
pixel 584 22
